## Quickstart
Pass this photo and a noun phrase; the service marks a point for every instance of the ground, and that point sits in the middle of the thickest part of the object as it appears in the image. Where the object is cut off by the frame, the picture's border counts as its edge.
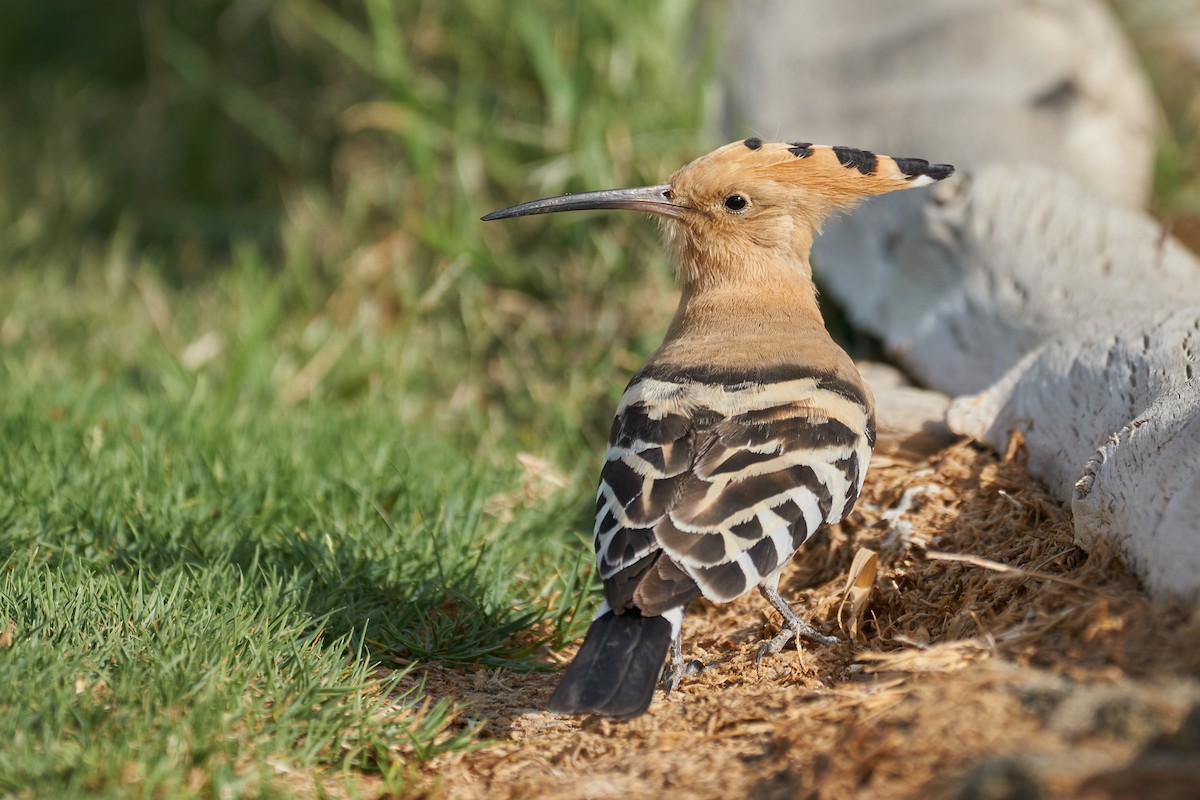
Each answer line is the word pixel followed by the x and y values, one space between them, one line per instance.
pixel 996 660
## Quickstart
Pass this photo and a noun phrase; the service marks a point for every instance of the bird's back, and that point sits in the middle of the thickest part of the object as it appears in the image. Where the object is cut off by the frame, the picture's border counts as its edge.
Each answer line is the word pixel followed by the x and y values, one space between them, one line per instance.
pixel 726 455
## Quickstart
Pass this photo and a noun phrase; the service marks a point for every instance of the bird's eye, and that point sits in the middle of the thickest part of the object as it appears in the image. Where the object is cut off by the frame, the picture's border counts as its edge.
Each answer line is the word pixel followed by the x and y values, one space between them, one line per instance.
pixel 735 202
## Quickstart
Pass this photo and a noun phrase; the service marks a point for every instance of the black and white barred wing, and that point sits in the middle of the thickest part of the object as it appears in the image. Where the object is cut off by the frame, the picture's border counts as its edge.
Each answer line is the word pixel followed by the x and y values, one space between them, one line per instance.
pixel 654 443
pixel 710 489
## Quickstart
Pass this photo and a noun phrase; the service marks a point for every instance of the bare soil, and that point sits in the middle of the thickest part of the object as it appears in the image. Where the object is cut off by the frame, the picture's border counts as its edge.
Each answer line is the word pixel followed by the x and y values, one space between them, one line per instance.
pixel 995 659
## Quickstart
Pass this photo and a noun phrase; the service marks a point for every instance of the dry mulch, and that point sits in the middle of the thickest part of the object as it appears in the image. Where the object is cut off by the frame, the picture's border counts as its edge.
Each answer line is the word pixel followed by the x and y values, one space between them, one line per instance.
pixel 995 660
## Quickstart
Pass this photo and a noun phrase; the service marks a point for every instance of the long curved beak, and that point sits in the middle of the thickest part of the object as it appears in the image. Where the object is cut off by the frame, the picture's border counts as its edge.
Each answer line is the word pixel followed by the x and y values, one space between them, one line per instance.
pixel 654 199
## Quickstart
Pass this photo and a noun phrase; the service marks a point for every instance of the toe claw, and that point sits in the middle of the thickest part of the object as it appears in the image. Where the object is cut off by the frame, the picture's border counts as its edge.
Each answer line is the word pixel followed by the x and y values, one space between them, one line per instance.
pixel 774 645
pixel 676 671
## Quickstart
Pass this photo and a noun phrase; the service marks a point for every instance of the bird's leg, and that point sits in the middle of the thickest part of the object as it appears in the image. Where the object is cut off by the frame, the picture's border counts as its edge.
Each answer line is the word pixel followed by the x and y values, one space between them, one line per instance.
pixel 793 626
pixel 676 669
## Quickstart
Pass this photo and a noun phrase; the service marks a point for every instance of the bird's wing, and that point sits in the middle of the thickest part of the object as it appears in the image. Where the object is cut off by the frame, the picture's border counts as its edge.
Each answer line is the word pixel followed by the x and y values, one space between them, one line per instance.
pixel 710 488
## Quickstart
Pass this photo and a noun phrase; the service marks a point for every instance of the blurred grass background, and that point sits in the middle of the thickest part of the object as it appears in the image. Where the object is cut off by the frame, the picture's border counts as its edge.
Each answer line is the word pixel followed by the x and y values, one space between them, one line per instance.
pixel 1166 34
pixel 348 149
pixel 278 415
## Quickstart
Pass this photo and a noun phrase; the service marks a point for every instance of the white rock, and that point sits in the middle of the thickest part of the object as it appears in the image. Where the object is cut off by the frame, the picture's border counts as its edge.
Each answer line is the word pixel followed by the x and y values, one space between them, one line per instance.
pixel 962 283
pixel 1053 82
pixel 1112 424
pixel 1069 318
pixel 910 422
pixel 880 375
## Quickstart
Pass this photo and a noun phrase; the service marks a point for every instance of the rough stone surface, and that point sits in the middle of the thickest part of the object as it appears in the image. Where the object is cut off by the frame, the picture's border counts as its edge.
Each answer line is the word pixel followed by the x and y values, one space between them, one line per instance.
pixel 961 283
pixel 1052 82
pixel 1069 318
pixel 910 422
pixel 1073 320
pixel 1113 427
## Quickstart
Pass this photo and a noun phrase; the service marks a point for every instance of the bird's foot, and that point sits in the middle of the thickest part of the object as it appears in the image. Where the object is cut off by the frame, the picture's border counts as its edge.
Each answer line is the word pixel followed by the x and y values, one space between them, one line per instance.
pixel 679 669
pixel 806 631
pixel 774 645
pixel 793 627
pixel 793 630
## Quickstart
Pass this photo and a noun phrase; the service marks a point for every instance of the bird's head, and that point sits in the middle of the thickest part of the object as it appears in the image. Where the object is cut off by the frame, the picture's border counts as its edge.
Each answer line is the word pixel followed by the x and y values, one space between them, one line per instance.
pixel 751 206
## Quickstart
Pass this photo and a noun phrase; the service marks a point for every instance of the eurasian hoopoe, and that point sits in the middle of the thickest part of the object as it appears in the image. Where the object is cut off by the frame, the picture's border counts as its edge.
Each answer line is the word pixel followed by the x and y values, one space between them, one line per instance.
pixel 747 430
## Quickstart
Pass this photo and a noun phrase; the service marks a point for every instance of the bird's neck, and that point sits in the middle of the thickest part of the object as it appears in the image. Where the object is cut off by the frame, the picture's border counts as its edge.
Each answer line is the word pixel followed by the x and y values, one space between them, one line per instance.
pixel 765 315
pixel 727 297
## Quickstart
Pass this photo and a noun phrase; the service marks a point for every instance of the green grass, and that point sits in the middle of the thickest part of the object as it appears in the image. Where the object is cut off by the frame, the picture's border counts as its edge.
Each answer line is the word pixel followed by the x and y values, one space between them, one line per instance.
pixel 200 581
pixel 1154 29
pixel 265 378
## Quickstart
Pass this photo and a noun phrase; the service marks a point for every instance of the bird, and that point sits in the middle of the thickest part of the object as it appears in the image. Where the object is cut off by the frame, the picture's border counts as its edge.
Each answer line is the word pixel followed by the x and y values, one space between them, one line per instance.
pixel 746 431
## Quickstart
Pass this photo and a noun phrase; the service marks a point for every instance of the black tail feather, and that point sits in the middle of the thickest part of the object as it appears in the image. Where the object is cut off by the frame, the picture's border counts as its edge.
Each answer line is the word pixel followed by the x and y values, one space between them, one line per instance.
pixel 617 667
